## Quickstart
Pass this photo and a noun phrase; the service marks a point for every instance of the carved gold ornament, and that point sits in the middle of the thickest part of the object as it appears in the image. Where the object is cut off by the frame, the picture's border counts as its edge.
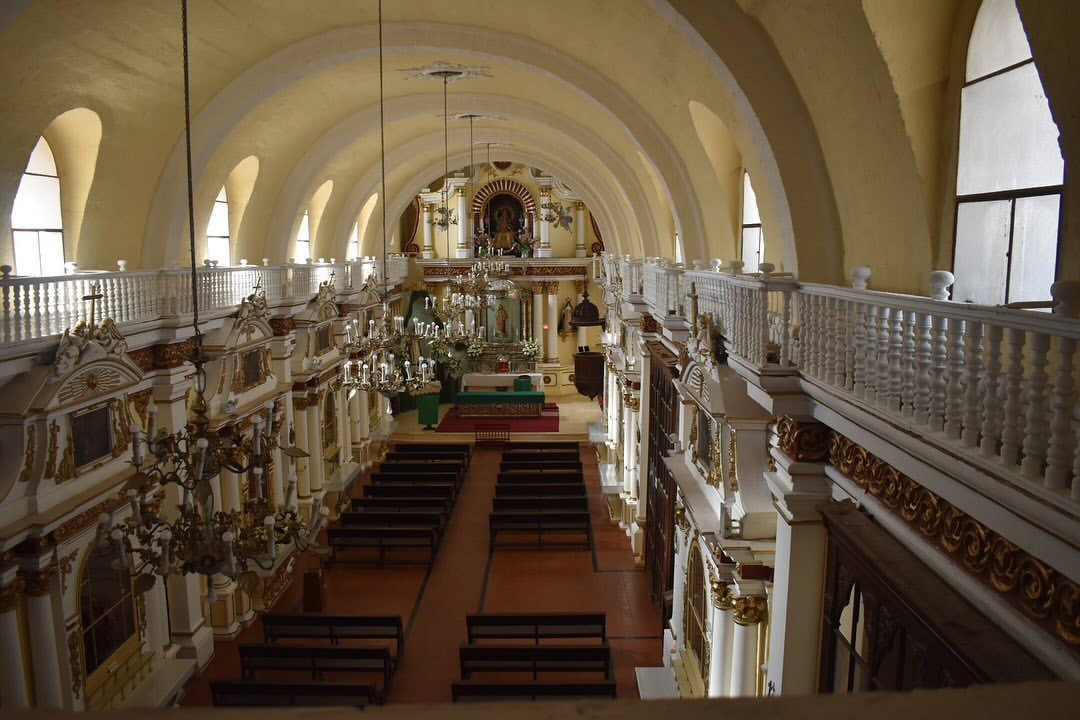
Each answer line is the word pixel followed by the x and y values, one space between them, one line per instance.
pixel 50 458
pixel 716 451
pixel 28 458
pixel 1038 590
pixel 65 569
pixel 120 413
pixel 733 466
pixel 11 593
pixel 803 440
pixel 750 609
pixel 67 469
pixel 693 438
pixel 74 643
pixel 722 598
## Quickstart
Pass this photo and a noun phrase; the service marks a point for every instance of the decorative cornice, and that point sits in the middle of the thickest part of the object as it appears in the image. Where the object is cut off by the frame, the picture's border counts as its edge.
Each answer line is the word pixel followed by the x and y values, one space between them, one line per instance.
pixel 749 609
pixel 803 440
pixel 86 518
pixel 1030 585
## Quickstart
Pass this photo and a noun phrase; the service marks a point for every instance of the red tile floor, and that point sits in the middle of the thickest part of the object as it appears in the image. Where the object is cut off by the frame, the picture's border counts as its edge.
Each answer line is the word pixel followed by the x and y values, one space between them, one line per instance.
pixel 467 578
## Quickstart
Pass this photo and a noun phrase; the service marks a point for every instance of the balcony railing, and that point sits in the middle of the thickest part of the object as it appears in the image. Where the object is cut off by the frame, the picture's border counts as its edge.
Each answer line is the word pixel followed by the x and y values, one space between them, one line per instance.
pixel 992 385
pixel 39 307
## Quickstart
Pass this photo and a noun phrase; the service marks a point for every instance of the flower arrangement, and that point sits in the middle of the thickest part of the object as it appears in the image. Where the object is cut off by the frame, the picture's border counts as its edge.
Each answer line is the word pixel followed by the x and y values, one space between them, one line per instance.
pixel 530 349
pixel 475 349
pixel 525 244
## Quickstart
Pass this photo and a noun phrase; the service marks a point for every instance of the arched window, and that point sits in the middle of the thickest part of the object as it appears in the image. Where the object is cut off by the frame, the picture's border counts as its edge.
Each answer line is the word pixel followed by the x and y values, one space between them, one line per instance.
pixel 217 230
pixel 303 241
pixel 1009 168
pixel 696 611
pixel 37 228
pixel 753 239
pixel 353 250
pixel 678 249
pixel 107 610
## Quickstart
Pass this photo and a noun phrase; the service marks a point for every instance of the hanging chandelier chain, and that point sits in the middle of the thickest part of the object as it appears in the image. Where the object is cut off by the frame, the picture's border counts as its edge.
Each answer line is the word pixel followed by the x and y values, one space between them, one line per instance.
pixel 190 183
pixel 382 150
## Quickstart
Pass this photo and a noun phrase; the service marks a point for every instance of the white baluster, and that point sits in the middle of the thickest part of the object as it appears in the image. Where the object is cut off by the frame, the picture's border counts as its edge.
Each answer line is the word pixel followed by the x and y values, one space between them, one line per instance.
pixel 896 366
pixel 849 322
pixel 833 363
pixel 870 357
pixel 989 394
pixel 858 355
pixel 884 333
pixel 908 365
pixel 938 385
pixel 785 348
pixel 973 370
pixel 1059 452
pixel 1010 427
pixel 954 393
pixel 35 305
pixel 923 380
pixel 1035 425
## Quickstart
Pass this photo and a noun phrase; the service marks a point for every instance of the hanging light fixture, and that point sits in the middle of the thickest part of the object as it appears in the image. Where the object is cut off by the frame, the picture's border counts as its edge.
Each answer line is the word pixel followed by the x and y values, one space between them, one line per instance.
pixel 444 215
pixel 381 356
pixel 197 537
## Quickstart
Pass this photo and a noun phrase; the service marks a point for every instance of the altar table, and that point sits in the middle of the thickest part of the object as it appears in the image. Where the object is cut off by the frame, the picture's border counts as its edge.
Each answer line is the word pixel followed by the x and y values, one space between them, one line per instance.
pixel 523 403
pixel 499 381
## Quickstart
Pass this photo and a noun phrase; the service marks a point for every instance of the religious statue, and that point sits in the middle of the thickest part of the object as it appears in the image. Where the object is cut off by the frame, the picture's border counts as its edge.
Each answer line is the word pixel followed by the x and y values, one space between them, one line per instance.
pixel 566 316
pixel 500 321
pixel 505 233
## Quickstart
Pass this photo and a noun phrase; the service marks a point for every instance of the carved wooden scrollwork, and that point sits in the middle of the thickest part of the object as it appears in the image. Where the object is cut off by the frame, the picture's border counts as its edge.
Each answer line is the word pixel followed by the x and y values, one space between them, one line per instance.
pixel 803 441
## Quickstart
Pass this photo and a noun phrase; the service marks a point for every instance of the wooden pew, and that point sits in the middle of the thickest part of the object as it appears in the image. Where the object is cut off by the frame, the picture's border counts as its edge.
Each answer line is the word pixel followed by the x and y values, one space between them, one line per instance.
pixel 539 503
pixel 392 473
pixel 317 660
pixel 536 626
pixel 541 523
pixel 401 502
pixel 540 445
pixel 507 478
pixel 404 480
pixel 422 467
pixel 534 489
pixel 246 693
pixel 535 659
pixel 394 518
pixel 405 488
pixel 383 539
pixel 429 456
pixel 541 457
pixel 335 628
pixel 545 465
pixel 463 448
pixel 479 691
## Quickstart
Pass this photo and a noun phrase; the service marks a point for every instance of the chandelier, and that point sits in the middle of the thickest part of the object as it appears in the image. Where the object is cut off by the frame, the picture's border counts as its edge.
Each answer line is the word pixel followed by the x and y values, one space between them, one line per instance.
pixel 196 537
pixel 385 356
pixel 444 216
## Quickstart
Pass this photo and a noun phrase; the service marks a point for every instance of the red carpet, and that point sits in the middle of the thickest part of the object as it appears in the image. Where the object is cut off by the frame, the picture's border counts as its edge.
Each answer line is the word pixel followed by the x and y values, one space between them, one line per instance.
pixel 547 422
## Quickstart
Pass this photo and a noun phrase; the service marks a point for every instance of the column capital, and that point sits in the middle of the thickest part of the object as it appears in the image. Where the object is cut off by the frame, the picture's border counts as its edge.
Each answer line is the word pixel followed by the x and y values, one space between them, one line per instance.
pixel 538 288
pixel 39 582
pixel 750 609
pixel 11 593
pixel 722 598
pixel 552 287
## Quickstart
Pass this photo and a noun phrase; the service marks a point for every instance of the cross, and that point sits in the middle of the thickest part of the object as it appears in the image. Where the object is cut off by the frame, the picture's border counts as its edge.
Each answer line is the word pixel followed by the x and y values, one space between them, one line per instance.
pixel 257 287
pixel 93 297
pixel 331 280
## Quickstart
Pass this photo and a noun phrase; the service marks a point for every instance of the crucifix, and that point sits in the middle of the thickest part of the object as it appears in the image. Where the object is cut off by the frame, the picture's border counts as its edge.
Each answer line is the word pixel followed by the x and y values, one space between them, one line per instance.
pixel 257 287
pixel 93 297
pixel 331 280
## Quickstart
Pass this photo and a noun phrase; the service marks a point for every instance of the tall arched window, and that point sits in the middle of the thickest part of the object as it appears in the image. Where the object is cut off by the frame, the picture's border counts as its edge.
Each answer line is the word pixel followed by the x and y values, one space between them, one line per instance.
pixel 696 611
pixel 753 239
pixel 37 228
pixel 217 230
pixel 107 611
pixel 303 241
pixel 353 250
pixel 1009 168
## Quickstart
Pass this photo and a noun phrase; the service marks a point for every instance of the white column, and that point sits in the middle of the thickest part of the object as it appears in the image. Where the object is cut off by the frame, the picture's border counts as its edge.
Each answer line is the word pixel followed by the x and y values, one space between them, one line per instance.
pixel 748 613
pixel 345 455
pixel 544 250
pixel 314 429
pixel 579 245
pixel 464 245
pixel 429 236
pixel 354 420
pixel 643 450
pixel 45 658
pixel 632 443
pixel 538 316
pixel 628 442
pixel 157 618
pixel 553 322
pixel 187 624
pixel 721 632
pixel 300 429
pixel 13 690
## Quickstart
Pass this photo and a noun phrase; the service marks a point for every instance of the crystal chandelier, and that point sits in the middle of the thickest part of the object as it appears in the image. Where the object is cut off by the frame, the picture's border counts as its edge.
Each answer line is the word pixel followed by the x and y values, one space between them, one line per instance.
pixel 445 216
pixel 381 357
pixel 196 537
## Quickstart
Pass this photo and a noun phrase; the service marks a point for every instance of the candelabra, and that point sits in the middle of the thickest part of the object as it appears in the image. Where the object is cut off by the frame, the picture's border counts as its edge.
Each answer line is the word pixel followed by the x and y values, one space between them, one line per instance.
pixel 380 359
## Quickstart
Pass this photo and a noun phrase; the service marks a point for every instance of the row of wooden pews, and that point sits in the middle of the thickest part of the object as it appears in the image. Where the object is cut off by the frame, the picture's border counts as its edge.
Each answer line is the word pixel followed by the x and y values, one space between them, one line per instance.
pixel 539 492
pixel 405 506
pixel 352 665
pixel 494 669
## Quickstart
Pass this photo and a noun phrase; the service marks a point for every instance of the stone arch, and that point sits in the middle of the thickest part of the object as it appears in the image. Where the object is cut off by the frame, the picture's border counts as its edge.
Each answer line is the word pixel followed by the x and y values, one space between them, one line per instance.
pixel 506 186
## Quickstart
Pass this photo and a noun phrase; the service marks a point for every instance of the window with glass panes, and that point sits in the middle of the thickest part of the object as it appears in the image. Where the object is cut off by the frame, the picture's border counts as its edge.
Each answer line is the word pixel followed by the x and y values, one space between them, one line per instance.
pixel 696 611
pixel 37 228
pixel 217 230
pixel 1009 168
pixel 353 251
pixel 107 609
pixel 303 241
pixel 753 239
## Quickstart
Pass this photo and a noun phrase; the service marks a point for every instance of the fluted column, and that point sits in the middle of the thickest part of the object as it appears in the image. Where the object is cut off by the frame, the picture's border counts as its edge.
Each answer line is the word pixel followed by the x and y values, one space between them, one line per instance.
pixel 749 612
pixel 552 349
pixel 13 689
pixel 429 236
pixel 45 658
pixel 464 246
pixel 538 316
pixel 721 632
pixel 545 237
pixel 579 231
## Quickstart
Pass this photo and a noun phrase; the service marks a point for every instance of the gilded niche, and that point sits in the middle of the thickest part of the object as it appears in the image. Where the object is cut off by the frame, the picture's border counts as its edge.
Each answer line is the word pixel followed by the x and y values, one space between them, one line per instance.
pixel 1038 590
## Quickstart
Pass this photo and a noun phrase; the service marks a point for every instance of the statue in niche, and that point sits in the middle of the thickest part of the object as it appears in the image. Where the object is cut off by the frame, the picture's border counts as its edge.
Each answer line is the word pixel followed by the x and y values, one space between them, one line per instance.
pixel 500 321
pixel 505 219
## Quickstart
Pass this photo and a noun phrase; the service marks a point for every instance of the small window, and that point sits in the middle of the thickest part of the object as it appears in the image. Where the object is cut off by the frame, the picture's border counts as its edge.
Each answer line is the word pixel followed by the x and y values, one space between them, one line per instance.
pixel 353 251
pixel 1009 168
pixel 753 239
pixel 37 227
pixel 217 230
pixel 303 241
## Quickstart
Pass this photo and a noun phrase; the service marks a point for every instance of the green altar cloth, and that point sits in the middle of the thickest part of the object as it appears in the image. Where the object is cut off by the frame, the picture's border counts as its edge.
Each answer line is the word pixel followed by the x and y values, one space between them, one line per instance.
pixel 428 409
pixel 500 404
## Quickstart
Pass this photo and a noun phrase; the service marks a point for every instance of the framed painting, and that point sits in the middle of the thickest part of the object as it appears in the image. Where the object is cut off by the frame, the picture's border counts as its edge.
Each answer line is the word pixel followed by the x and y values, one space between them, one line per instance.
pixel 504 320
